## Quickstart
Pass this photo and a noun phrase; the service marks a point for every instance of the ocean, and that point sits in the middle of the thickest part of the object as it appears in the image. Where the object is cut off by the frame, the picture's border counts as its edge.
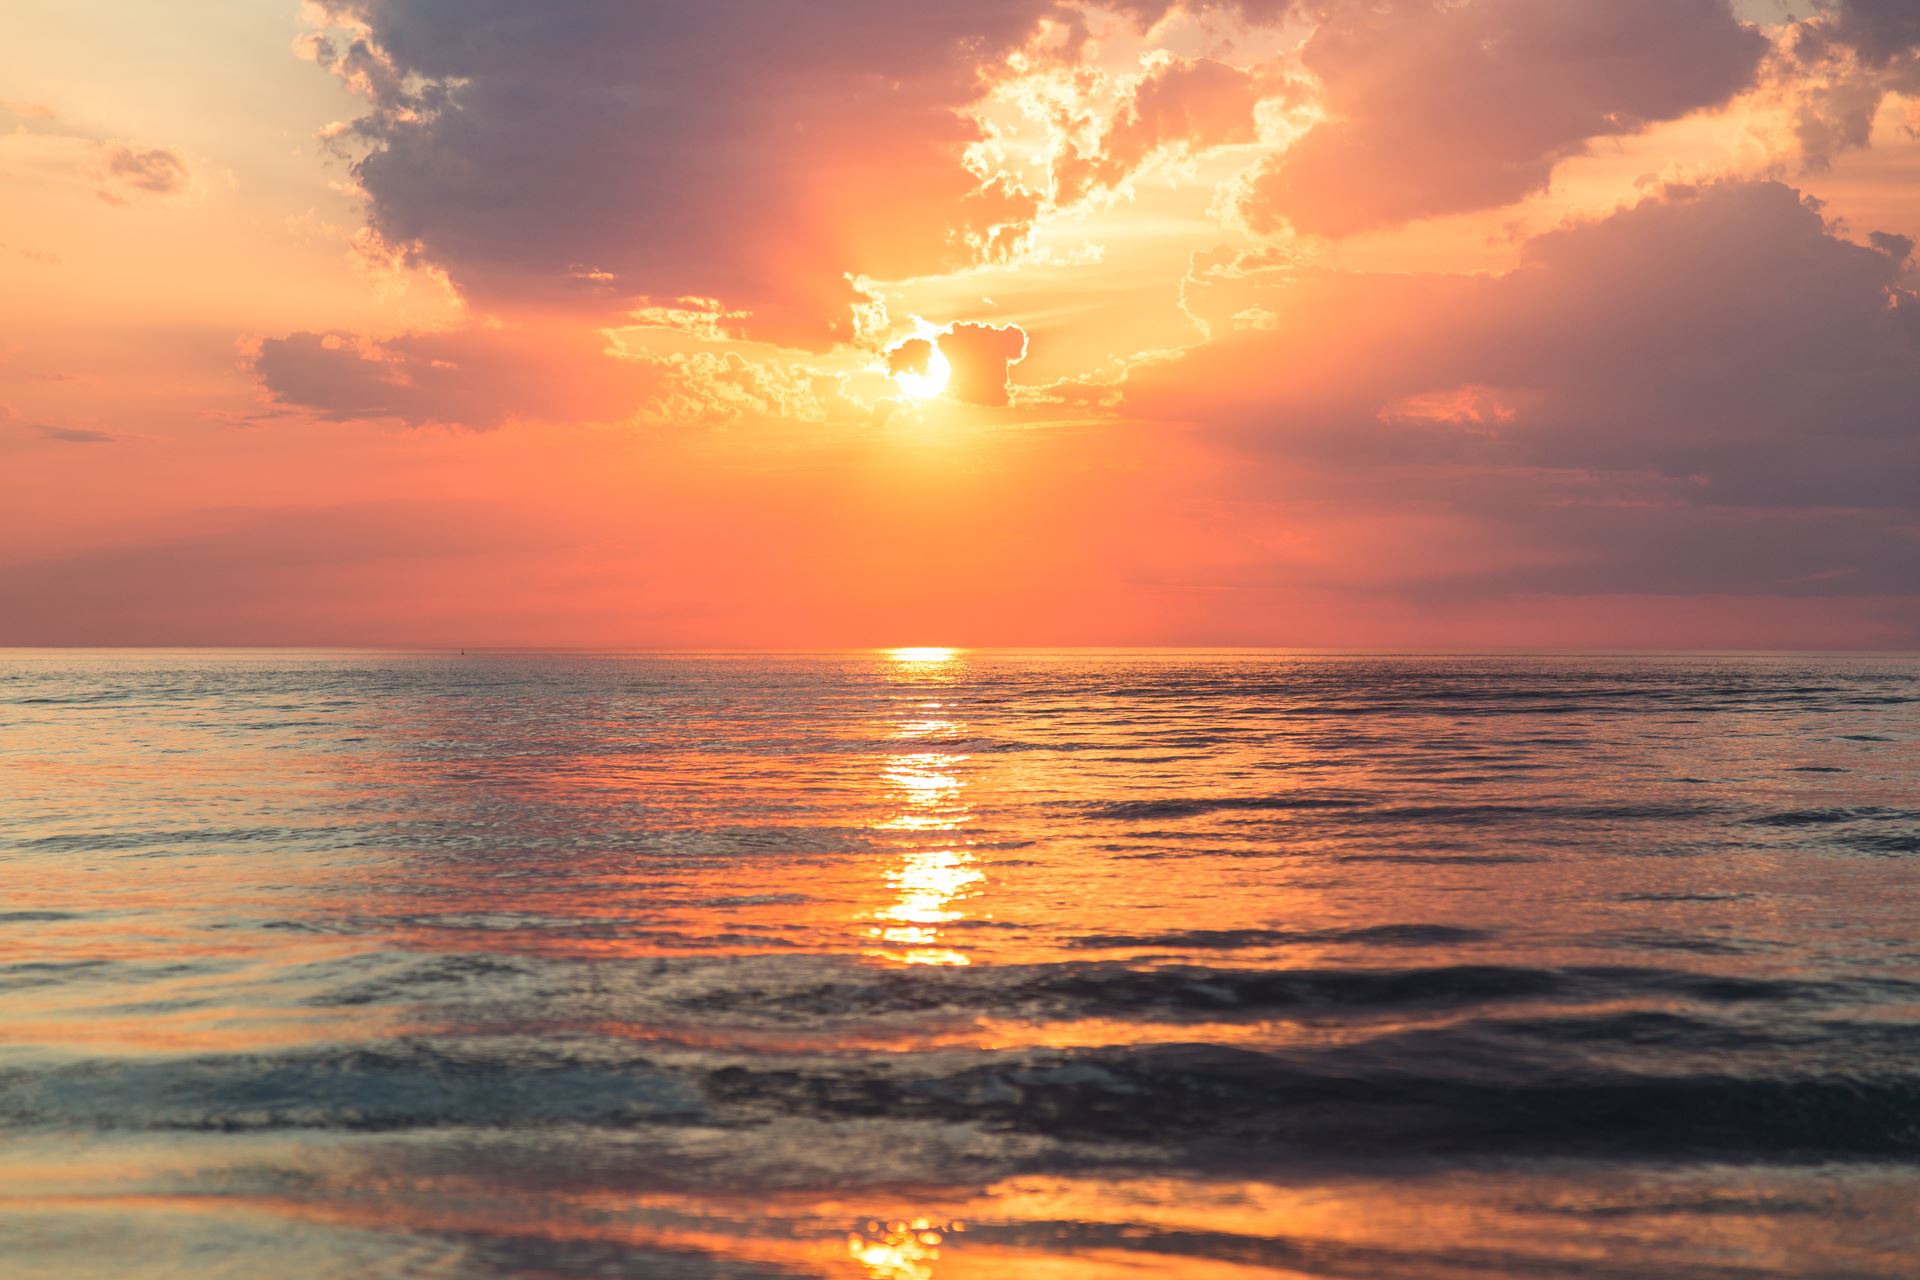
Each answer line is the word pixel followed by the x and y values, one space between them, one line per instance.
pixel 935 965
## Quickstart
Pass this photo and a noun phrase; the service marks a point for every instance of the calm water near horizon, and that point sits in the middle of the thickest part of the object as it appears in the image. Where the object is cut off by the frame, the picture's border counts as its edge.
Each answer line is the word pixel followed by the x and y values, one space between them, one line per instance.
pixel 928 965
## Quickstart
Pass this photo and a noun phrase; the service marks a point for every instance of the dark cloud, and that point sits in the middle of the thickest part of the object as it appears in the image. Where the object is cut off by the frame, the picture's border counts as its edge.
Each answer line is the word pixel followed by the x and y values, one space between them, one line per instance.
pixel 475 377
pixel 1897 247
pixel 1881 32
pixel 982 356
pixel 1445 106
pixel 752 152
pixel 1254 12
pixel 1841 64
pixel 76 435
pixel 15 434
pixel 1710 391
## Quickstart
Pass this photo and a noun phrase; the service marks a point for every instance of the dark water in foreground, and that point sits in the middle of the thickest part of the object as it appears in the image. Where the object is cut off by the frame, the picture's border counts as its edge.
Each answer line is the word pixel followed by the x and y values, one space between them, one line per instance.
pixel 934 967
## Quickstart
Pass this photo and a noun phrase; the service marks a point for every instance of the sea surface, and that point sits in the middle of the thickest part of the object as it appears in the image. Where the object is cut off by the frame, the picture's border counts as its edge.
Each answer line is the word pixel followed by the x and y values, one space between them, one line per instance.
pixel 924 965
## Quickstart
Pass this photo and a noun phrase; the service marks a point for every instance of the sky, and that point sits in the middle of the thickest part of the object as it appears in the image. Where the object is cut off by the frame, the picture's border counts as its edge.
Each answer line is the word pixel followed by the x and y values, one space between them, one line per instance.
pixel 748 323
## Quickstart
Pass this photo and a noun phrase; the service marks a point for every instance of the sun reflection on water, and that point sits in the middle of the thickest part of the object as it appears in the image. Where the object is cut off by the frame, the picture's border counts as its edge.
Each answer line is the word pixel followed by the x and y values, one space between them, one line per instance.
pixel 926 790
pixel 927 884
pixel 923 654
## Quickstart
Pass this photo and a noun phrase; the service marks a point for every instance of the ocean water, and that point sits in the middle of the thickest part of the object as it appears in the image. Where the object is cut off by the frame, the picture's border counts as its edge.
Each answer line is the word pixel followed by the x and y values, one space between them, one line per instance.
pixel 938 966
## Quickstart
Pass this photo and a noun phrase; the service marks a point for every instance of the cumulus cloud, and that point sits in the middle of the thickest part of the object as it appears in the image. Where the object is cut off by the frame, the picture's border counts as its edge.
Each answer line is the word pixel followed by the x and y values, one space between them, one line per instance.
pixel 759 154
pixel 127 171
pixel 1444 106
pixel 1709 391
pixel 1881 32
pixel 1839 66
pixel 980 358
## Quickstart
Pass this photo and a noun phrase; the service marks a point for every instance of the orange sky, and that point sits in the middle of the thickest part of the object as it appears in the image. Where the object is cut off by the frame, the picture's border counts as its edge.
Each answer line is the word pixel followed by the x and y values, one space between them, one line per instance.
pixel 1291 322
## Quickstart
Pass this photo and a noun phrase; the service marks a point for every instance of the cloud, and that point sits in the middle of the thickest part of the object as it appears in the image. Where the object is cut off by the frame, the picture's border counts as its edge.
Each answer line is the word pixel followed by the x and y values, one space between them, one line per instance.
pixel 16 435
pixel 1445 106
pixel 911 356
pixel 762 155
pixel 478 377
pixel 1180 106
pixel 1462 406
pixel 1881 32
pixel 128 171
pixel 1897 247
pixel 721 388
pixel 982 356
pixel 26 111
pixel 1710 391
pixel 76 435
pixel 1145 13
pixel 483 376
pixel 1840 65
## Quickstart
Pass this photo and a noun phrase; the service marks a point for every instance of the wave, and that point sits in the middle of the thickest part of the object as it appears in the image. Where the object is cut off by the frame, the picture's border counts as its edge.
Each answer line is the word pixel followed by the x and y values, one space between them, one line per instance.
pixel 1898 842
pixel 1410 1095
pixel 802 990
pixel 1392 935
pixel 1362 809
pixel 1185 1095
pixel 784 994
pixel 1143 810
pixel 1829 817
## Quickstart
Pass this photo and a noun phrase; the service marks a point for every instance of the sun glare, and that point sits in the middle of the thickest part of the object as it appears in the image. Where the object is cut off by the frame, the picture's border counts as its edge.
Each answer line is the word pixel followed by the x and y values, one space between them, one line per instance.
pixel 929 382
pixel 923 653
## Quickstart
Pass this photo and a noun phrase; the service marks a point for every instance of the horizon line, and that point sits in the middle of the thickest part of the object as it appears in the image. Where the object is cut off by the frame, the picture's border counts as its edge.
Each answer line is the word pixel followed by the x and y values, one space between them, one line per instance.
pixel 962 649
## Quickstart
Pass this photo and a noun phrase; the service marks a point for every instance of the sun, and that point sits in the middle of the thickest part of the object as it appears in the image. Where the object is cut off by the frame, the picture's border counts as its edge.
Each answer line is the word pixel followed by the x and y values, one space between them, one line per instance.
pixel 928 382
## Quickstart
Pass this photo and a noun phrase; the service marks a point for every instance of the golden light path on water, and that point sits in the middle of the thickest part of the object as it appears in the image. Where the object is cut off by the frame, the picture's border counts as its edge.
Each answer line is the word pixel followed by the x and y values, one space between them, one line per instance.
pixel 928 789
pixel 935 654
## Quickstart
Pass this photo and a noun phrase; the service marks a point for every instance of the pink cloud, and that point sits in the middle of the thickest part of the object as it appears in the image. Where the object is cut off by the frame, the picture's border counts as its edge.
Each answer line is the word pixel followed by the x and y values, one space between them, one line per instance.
pixel 1444 106
pixel 127 171
pixel 1711 391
